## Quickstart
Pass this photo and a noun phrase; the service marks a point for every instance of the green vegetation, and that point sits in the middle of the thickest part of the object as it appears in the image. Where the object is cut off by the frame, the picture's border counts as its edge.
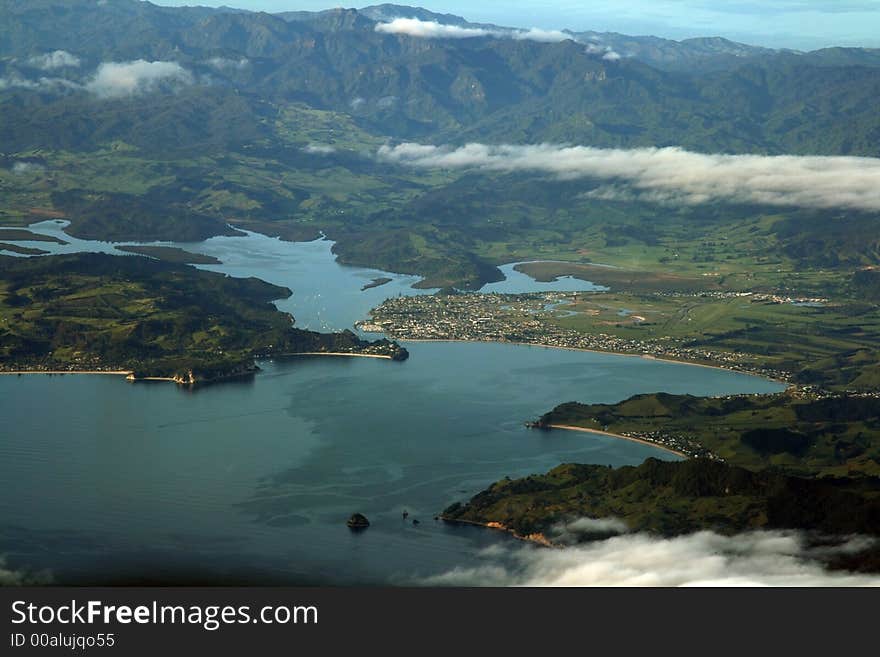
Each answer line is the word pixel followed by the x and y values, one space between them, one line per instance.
pixel 377 214
pixel 452 90
pixel 376 282
pixel 170 254
pixel 21 235
pixel 786 462
pixel 837 345
pixel 22 250
pixel 673 498
pixel 803 436
pixel 104 312
pixel 617 278
pixel 837 348
pixel 278 133
pixel 115 217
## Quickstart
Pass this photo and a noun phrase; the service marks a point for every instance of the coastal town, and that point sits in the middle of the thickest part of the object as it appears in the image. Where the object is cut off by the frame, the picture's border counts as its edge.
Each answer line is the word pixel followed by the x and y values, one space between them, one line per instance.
pixel 526 319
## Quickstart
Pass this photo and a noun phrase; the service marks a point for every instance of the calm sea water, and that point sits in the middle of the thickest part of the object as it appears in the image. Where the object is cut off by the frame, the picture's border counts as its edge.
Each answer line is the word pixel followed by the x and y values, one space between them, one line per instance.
pixel 102 480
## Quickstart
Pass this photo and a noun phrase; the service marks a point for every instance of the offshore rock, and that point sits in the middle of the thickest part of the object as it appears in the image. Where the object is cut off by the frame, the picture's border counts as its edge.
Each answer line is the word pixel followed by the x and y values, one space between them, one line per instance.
pixel 358 521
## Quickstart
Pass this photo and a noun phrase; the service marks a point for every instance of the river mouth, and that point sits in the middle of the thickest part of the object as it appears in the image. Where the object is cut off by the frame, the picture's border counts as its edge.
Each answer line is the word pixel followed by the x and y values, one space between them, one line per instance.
pixel 252 482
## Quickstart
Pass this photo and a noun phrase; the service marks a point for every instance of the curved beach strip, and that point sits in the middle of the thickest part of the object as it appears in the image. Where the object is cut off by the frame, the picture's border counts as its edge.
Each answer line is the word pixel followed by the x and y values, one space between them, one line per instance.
pixel 569 427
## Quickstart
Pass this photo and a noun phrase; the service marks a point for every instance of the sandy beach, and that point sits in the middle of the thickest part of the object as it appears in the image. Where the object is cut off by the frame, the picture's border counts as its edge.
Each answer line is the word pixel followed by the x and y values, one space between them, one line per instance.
pixel 569 427
pixel 168 378
pixel 333 353
pixel 112 372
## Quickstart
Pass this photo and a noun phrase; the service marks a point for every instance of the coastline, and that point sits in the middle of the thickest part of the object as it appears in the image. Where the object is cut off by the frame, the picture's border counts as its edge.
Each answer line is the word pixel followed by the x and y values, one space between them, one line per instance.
pixel 569 427
pixel 537 539
pixel 111 372
pixel 129 373
pixel 787 384
pixel 330 353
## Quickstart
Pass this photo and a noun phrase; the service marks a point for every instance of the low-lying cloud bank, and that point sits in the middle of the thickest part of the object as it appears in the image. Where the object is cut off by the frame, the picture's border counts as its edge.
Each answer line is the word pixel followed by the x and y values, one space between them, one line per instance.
pixel 16 81
pixel 225 64
pixel 319 149
pixel 672 175
pixel 605 51
pixel 22 168
pixel 21 578
pixel 702 559
pixel 121 79
pixel 576 530
pixel 433 30
pixel 55 59
pixel 110 79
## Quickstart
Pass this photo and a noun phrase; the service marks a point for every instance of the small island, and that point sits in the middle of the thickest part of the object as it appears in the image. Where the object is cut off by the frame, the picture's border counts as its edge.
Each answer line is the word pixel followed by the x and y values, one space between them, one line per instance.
pixel 358 521
pixel 376 282
pixel 170 254
pixel 151 320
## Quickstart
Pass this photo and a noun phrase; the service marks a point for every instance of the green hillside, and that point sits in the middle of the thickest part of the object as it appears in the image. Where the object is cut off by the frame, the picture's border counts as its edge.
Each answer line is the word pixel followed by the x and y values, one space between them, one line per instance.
pixel 97 311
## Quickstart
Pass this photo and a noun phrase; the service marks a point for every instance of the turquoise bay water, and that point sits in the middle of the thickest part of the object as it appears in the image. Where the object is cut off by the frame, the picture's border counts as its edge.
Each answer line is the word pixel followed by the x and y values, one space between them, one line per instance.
pixel 102 480
pixel 516 282
pixel 326 296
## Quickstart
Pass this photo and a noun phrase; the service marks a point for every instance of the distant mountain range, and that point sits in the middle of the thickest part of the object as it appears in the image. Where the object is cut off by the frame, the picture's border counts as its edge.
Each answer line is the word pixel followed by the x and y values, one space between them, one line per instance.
pixel 25 27
pixel 232 67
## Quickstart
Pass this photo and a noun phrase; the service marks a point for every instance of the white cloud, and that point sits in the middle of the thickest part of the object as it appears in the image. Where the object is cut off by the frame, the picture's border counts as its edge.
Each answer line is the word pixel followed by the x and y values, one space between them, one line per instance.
pixel 21 168
pixel 16 81
pixel 535 34
pixel 430 29
pixel 319 149
pixel 576 530
pixel 53 60
pixel 386 101
pixel 673 175
pixel 21 578
pixel 607 53
pixel 111 79
pixel 701 559
pixel 433 30
pixel 224 64
pixel 121 79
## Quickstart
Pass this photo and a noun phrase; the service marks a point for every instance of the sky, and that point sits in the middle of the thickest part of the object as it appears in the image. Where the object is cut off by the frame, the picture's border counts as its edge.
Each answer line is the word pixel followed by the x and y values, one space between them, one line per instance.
pixel 799 24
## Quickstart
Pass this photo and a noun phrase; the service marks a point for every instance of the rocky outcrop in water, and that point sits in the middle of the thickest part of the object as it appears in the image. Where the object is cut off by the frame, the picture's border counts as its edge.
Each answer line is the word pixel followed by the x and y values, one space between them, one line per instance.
pixel 358 521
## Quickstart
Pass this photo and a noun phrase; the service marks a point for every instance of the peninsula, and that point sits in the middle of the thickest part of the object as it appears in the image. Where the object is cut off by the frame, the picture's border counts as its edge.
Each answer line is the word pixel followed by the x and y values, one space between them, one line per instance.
pixel 802 434
pixel 170 254
pixel 783 461
pixel 376 282
pixel 21 250
pixel 150 320
pixel 672 498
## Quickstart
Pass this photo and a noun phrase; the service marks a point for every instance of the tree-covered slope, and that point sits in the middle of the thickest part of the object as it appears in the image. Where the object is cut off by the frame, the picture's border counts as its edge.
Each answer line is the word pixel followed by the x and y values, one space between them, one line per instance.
pixel 98 311
pixel 485 88
pixel 836 435
pixel 672 498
